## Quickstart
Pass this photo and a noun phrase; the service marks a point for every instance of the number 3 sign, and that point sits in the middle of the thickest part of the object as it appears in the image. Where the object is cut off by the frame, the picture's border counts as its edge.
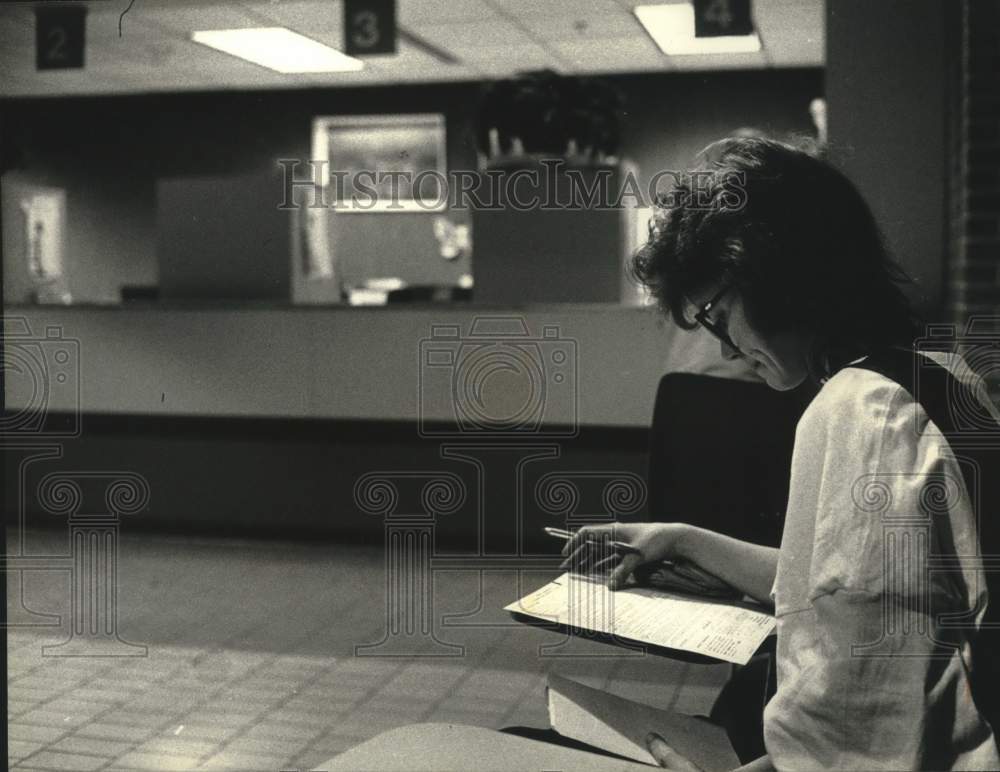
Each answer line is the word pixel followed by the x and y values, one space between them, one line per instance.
pixel 59 37
pixel 369 27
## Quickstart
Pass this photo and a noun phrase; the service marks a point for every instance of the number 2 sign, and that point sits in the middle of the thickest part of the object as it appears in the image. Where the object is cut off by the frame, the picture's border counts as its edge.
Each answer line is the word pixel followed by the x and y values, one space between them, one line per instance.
pixel 369 27
pixel 59 36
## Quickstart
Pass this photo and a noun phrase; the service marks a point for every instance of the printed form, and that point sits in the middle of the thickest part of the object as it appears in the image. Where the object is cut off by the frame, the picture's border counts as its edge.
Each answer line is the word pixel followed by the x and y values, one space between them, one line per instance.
pixel 725 631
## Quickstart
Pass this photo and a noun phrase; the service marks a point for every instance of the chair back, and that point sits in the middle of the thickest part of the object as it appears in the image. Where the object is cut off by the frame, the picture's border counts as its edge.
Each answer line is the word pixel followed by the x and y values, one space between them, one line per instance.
pixel 720 454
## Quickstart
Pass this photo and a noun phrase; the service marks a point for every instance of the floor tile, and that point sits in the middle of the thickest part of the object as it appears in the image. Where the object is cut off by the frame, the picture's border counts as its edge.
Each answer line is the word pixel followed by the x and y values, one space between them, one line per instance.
pixel 133 717
pixel 118 732
pixel 459 704
pixel 34 694
pixel 251 665
pixel 221 718
pixel 74 705
pixel 321 716
pixel 177 746
pixel 334 743
pixel 244 762
pixel 312 759
pixel 199 732
pixel 273 729
pixel 269 747
pixel 157 762
pixel 16 707
pixel 74 762
pixel 93 746
pixel 18 749
pixel 33 733
pixel 45 717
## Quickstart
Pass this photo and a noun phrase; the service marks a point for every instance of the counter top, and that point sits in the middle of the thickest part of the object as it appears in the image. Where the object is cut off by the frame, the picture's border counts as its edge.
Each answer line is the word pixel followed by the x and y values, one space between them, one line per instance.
pixel 378 363
pixel 267 305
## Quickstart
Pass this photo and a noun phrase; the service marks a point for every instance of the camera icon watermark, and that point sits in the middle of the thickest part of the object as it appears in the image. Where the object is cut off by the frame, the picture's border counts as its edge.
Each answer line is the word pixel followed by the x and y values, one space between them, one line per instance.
pixel 41 382
pixel 498 381
pixel 978 347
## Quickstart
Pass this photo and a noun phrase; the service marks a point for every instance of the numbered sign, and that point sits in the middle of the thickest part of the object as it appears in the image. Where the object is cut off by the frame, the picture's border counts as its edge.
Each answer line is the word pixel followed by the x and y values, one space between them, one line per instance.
pixel 717 18
pixel 369 27
pixel 59 36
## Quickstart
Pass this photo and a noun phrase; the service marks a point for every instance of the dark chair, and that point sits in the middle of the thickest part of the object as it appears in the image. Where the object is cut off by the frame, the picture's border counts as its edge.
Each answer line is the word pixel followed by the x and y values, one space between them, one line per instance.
pixel 720 454
pixel 720 457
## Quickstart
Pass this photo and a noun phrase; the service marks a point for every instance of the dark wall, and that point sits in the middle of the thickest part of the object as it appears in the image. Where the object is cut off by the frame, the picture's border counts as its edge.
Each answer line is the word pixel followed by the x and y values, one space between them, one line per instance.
pixel 669 118
pixel 887 104
pixel 109 151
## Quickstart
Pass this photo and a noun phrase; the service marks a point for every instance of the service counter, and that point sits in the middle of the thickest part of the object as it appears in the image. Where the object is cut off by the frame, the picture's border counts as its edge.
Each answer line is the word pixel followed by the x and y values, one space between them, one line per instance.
pixel 331 362
pixel 262 419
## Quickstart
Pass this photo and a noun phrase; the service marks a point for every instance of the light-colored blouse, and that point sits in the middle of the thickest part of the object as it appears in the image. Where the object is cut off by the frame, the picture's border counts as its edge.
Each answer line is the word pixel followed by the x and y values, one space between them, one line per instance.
pixel 869 676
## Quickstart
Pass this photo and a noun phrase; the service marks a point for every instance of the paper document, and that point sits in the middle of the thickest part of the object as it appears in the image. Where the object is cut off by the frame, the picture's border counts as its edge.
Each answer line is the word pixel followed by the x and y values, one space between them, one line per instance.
pixel 620 726
pixel 723 630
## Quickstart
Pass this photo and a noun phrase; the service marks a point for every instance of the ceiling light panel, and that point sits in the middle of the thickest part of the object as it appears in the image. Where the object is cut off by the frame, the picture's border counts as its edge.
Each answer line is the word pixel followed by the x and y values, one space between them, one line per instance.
pixel 278 49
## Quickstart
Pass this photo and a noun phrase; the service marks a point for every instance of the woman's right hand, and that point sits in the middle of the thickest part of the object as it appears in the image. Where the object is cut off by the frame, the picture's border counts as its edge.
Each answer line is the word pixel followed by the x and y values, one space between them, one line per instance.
pixel 653 542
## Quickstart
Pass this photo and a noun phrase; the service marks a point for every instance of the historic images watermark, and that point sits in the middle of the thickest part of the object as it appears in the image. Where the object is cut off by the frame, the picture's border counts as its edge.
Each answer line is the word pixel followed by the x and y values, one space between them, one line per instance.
pixel 42 373
pixel 552 184
pixel 499 398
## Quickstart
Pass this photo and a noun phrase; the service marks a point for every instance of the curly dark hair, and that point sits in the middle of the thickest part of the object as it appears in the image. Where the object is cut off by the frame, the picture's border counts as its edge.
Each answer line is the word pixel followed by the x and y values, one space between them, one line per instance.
pixel 794 236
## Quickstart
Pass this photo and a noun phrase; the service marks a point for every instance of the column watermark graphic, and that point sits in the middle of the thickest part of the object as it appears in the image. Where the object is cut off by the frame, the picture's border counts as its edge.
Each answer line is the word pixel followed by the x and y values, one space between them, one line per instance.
pixel 409 546
pixel 94 555
pixel 915 570
pixel 43 410
pixel 499 399
pixel 559 495
pixel 940 545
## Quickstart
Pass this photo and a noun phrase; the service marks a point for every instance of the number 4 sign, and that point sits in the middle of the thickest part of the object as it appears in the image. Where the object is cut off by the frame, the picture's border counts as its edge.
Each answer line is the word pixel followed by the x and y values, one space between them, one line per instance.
pixel 369 27
pixel 59 34
pixel 717 18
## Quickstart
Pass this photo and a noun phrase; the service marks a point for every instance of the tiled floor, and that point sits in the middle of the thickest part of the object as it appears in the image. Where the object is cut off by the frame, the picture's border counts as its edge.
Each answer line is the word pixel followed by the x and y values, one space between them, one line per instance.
pixel 250 660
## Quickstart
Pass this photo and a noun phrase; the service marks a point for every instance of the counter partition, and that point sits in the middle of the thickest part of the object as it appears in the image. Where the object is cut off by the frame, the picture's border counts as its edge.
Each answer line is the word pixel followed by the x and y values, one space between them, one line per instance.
pixel 595 364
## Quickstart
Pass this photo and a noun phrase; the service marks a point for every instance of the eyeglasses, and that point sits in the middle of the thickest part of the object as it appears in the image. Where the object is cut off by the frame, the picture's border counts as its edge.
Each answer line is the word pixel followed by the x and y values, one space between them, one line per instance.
pixel 709 324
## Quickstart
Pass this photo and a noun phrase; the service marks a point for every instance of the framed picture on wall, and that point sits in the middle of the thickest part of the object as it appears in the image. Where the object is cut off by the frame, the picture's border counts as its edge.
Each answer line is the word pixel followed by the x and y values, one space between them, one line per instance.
pixel 382 163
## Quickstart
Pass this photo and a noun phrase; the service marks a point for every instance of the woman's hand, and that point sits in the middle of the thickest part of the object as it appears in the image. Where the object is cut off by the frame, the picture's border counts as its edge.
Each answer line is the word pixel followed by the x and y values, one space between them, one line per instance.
pixel 649 542
pixel 667 757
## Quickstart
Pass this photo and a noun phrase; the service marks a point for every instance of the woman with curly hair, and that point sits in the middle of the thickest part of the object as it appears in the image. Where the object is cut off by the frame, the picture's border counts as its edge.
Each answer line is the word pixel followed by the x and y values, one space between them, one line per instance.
pixel 882 662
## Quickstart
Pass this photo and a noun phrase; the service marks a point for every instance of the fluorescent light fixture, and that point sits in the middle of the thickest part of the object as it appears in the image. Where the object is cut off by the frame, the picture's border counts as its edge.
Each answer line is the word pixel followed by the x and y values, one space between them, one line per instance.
pixel 672 29
pixel 278 49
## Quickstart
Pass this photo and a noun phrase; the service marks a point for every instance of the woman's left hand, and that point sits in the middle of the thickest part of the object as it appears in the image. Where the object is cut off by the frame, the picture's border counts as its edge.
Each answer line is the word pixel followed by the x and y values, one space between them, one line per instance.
pixel 667 757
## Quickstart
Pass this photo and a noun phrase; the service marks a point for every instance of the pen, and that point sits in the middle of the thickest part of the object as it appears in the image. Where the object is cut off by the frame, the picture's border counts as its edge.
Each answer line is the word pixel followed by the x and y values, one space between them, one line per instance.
pixel 561 533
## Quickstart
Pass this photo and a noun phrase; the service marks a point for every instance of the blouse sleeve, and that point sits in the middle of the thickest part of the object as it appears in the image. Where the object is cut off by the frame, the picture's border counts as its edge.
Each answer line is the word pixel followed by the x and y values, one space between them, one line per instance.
pixel 867 677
